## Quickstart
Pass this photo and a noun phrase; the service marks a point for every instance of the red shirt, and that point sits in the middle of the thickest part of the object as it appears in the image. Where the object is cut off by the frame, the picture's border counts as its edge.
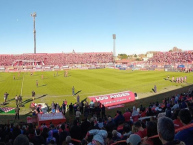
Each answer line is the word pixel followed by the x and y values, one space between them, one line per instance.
pixel 127 116
pixel 143 114
pixel 142 134
pixel 177 123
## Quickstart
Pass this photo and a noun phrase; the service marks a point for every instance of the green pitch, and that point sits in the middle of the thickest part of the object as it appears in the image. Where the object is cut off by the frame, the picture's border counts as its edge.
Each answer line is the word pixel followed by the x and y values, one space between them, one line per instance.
pixel 86 82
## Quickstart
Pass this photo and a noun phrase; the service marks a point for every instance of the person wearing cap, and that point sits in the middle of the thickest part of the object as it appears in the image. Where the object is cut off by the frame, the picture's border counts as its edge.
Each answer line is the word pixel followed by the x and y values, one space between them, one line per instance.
pixel 134 139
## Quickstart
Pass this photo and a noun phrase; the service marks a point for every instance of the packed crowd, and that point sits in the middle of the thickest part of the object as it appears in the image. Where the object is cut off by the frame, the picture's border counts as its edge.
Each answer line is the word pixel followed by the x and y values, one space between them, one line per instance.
pixel 133 126
pixel 172 57
pixel 58 58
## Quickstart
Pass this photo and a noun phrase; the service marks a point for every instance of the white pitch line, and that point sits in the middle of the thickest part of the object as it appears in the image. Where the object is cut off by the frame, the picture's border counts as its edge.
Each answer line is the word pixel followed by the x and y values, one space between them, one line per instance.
pixel 22 86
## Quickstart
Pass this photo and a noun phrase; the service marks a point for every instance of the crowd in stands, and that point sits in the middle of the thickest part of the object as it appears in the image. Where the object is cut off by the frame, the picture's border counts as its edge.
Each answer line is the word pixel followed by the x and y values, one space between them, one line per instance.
pixel 58 58
pixel 172 57
pixel 93 126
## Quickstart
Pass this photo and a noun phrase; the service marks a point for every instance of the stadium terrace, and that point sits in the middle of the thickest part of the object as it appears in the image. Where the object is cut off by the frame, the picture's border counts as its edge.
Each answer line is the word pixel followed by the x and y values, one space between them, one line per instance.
pixel 59 59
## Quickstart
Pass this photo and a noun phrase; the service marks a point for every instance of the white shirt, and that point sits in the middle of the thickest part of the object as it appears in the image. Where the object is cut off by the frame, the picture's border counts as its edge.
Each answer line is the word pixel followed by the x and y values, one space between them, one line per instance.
pixel 175 106
pixel 78 113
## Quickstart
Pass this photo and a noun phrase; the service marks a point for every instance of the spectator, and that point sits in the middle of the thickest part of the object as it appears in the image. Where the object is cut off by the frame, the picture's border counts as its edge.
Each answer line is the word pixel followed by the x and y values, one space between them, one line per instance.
pixel 85 125
pixel 68 140
pixel 127 115
pixel 100 123
pixel 70 108
pixel 63 134
pixel 63 108
pixel 116 136
pixel 109 139
pixel 166 132
pixel 140 130
pixel 134 139
pixel 185 135
pixel 50 138
pixel 103 111
pixel 177 122
pixel 17 112
pixel 151 131
pixel 135 112
pixel 39 140
pixel 21 140
pixel 176 106
pixel 157 108
pixel 168 111
pixel 44 133
pixel 119 118
pixel 99 136
pixel 16 131
pixel 75 131
pixel 110 125
pixel 126 131
pixel 78 114
pixel 150 112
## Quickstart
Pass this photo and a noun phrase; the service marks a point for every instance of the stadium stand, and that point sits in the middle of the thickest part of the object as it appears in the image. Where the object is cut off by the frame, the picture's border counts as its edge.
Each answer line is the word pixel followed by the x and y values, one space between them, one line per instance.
pixel 56 58
pixel 173 118
pixel 172 57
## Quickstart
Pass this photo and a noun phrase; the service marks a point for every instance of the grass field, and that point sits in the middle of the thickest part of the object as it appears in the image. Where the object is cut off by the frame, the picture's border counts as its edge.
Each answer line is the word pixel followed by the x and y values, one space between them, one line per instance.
pixel 88 82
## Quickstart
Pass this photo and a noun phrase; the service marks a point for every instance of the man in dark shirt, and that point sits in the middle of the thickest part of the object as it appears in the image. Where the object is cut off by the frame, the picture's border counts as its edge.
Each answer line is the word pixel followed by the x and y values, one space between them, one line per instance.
pixel 70 108
pixel 33 95
pixel 186 134
pixel 103 111
pixel 17 112
pixel 63 134
pixel 85 127
pixel 63 108
pixel 75 131
pixel 39 140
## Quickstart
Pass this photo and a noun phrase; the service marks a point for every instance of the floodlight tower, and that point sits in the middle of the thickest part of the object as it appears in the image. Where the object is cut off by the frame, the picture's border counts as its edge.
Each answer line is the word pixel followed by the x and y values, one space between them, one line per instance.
pixel 34 15
pixel 114 51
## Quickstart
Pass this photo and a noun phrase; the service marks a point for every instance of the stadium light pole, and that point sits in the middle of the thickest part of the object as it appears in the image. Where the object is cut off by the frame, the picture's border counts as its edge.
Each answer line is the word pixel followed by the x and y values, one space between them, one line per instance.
pixel 114 51
pixel 34 15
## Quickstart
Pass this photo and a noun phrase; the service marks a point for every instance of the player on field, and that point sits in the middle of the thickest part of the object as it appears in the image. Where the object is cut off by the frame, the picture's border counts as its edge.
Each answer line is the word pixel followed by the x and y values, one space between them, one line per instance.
pixel 182 78
pixel 66 73
pixel 5 96
pixel 73 91
pixel 20 99
pixel 36 83
pixel 33 95
pixel 155 88
pixel 173 79
pixel 185 79
pixel 177 80
pixel 42 77
pixel 13 77
pixel 16 100
pixel 168 77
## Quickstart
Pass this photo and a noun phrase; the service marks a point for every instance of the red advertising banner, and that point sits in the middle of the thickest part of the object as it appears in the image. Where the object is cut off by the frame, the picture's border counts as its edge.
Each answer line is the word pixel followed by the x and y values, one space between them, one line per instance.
pixel 115 98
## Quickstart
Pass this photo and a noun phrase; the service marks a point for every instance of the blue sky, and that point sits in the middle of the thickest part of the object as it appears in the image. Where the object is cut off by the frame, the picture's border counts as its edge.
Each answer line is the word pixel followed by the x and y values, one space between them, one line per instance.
pixel 88 25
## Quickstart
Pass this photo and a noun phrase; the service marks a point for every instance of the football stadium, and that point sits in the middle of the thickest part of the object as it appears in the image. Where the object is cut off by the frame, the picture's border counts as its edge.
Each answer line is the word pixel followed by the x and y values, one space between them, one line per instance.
pixel 95 96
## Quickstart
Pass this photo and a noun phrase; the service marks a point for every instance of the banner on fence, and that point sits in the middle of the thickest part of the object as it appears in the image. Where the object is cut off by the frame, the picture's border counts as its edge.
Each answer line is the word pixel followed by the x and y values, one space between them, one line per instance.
pixel 115 98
